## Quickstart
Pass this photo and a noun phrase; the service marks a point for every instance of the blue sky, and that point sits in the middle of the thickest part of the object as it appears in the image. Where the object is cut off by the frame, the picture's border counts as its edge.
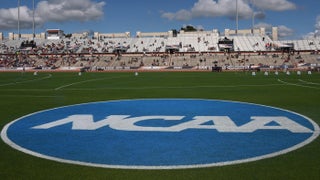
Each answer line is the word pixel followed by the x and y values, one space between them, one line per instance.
pixel 295 19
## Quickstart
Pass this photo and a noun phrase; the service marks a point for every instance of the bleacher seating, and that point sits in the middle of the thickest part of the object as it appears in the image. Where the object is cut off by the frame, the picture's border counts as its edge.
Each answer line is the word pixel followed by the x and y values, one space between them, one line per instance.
pixel 197 50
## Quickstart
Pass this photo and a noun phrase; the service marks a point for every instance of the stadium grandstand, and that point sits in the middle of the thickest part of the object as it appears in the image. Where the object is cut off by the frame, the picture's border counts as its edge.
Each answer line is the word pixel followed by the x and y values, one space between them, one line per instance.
pixel 198 50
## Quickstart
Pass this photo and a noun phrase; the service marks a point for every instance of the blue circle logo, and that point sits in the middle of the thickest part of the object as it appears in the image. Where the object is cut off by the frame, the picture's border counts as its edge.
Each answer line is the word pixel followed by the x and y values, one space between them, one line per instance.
pixel 160 133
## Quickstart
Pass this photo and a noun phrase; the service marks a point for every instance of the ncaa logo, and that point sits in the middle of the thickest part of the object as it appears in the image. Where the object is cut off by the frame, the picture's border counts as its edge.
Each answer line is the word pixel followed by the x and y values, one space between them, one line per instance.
pixel 160 133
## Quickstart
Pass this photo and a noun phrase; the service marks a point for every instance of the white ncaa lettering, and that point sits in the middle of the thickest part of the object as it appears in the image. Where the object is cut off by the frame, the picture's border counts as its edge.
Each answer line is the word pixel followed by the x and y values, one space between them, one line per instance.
pixel 283 123
pixel 219 123
pixel 118 122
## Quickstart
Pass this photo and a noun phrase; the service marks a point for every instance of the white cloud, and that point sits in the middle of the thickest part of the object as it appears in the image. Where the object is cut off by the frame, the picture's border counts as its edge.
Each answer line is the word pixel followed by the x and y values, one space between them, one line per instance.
pixel 227 8
pixel 317 26
pixel 51 11
pixel 182 15
pixel 316 32
pixel 274 5
pixel 268 27
pixel 9 18
pixel 283 31
pixel 259 15
pixel 71 10
pixel 211 8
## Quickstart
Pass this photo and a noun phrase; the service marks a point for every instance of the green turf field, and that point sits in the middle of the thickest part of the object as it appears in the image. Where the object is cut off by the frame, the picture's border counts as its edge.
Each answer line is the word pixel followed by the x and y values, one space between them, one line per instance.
pixel 25 93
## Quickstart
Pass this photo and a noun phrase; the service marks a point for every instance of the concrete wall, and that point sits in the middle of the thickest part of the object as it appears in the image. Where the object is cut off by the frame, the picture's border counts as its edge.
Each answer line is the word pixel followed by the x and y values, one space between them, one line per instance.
pixel 258 31
pixel 154 34
pixel 275 33
pixel 98 35
pixel 214 32
pixel 13 36
pixel 80 35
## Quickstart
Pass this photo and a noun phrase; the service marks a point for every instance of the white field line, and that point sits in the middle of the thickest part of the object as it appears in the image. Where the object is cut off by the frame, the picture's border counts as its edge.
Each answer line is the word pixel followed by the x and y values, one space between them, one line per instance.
pixel 176 87
pixel 29 96
pixel 307 82
pixel 32 80
pixel 143 88
pixel 298 85
pixel 80 82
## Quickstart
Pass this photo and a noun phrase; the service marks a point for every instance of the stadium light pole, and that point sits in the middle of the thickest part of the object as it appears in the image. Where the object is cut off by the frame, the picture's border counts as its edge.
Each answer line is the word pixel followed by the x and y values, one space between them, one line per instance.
pixel 237 17
pixel 253 16
pixel 18 19
pixel 33 23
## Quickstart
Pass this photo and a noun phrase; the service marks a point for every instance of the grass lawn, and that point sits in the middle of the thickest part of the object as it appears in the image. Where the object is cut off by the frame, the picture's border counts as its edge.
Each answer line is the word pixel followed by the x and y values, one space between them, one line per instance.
pixel 25 93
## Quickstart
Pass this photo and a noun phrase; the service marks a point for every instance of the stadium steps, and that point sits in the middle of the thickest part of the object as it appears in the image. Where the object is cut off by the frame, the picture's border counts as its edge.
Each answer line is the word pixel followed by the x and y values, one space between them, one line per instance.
pixel 241 44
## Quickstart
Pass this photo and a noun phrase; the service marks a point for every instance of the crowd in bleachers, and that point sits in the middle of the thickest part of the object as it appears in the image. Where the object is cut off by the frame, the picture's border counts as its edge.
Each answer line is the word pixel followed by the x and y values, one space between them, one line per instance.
pixel 198 51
